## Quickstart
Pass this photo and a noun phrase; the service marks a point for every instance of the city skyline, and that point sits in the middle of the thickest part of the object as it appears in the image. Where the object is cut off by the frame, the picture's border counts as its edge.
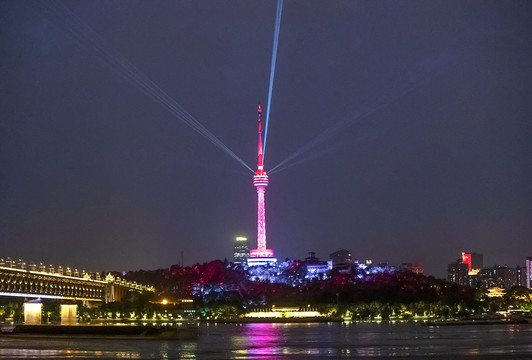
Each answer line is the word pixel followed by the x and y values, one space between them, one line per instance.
pixel 397 131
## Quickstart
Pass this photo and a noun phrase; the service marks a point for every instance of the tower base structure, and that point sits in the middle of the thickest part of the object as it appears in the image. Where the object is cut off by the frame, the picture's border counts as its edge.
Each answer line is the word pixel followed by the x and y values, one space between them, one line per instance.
pixel 261 261
pixel 255 253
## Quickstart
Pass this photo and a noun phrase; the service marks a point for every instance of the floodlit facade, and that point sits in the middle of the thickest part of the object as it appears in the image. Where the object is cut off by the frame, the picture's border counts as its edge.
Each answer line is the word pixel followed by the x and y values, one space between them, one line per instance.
pixel 241 251
pixel 32 312
pixel 69 314
pixel 474 261
pixel 285 312
pixel 261 261
pixel 315 267
pixel 495 292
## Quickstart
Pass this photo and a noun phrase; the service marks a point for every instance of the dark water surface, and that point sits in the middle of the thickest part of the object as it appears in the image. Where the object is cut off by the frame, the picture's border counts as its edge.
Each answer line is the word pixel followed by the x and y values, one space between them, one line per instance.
pixel 290 341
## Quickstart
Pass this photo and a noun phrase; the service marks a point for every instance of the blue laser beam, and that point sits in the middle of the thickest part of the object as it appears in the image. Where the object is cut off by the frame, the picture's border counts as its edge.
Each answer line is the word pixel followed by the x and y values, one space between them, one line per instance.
pixel 87 38
pixel 372 134
pixel 423 74
pixel 272 70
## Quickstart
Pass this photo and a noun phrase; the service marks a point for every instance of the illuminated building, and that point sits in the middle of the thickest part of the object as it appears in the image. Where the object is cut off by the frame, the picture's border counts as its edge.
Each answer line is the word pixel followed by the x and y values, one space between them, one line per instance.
pixel 315 267
pixel 382 268
pixel 241 251
pixel 528 270
pixel 521 275
pixel 176 308
pixel 261 255
pixel 495 292
pixel 362 267
pixel 465 271
pixel 285 312
pixel 498 276
pixel 342 260
pixel 474 262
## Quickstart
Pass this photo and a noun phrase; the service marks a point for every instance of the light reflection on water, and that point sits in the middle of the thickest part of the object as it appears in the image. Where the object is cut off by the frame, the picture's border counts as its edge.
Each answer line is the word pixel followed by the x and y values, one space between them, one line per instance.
pixel 7 353
pixel 289 341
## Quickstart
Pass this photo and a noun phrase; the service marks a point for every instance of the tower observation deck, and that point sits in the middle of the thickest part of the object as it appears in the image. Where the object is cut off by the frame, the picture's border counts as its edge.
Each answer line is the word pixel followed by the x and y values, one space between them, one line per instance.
pixel 261 255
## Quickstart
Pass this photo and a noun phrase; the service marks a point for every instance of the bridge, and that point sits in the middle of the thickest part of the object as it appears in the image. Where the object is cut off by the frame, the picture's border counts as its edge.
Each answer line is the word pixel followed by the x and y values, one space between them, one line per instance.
pixel 19 279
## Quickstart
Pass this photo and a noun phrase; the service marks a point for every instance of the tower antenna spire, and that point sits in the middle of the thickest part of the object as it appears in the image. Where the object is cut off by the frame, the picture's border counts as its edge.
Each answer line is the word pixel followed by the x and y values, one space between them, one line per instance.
pixel 260 165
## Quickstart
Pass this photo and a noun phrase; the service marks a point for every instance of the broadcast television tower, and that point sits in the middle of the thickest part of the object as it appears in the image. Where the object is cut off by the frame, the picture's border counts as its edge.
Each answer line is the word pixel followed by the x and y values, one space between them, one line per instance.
pixel 261 255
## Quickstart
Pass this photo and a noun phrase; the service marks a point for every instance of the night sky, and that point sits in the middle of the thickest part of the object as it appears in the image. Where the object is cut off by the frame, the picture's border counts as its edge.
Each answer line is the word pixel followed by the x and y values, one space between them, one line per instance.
pixel 410 125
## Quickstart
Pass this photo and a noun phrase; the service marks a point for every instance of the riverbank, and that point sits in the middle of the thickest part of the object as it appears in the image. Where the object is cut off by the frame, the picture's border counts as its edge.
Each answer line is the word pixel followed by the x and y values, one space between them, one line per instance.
pixel 478 322
pixel 182 332
pixel 249 320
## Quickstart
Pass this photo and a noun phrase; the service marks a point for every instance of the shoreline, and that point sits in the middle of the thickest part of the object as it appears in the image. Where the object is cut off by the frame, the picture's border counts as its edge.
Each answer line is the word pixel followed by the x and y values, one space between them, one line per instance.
pixel 270 320
pixel 190 330
pixel 478 322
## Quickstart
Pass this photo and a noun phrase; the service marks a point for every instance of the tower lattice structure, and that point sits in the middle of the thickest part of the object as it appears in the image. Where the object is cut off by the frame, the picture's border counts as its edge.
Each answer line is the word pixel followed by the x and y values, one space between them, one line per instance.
pixel 260 181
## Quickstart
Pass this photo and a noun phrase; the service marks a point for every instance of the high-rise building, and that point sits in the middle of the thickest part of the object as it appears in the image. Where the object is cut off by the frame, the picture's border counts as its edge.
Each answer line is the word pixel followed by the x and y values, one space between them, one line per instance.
pixel 498 276
pixel 241 251
pixel 261 255
pixel 521 275
pixel 457 272
pixel 528 270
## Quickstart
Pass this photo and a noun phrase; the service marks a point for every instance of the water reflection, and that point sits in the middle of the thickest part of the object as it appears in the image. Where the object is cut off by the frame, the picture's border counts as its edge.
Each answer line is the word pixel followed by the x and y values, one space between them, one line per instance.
pixel 164 351
pixel 287 341
pixel 187 350
pixel 11 353
pixel 258 341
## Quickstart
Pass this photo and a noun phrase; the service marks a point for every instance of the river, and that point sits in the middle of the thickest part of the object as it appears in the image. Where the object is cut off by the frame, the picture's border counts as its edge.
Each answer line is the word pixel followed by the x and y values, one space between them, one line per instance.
pixel 290 341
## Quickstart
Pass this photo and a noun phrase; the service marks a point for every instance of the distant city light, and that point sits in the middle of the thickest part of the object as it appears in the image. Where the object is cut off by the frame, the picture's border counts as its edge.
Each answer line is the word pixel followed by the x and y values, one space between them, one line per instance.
pixel 466 259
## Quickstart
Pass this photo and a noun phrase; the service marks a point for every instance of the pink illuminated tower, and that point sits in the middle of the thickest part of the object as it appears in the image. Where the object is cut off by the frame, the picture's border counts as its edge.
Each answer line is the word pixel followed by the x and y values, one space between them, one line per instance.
pixel 260 181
